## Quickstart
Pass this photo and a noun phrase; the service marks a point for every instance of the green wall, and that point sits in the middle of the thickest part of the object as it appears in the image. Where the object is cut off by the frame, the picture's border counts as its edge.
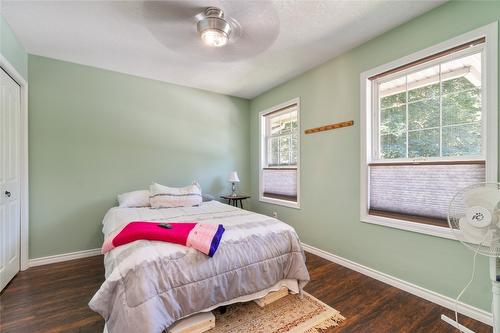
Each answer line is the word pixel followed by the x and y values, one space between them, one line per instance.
pixel 12 50
pixel 95 133
pixel 330 161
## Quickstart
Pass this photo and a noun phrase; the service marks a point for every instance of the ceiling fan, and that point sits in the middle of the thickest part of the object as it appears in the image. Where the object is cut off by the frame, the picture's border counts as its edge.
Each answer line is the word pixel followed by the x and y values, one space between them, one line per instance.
pixel 213 30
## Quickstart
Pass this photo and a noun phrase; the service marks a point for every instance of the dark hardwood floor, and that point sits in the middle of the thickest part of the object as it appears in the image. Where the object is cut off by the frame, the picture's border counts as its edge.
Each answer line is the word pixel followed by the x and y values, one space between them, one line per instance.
pixel 372 306
pixel 53 298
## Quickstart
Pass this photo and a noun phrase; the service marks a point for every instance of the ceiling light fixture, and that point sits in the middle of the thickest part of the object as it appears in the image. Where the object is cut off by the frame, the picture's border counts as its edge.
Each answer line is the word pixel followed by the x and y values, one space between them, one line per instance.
pixel 214 30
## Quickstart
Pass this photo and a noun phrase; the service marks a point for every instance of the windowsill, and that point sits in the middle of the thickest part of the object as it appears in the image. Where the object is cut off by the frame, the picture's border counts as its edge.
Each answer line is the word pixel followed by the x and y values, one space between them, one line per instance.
pixel 421 228
pixel 280 168
pixel 287 198
pixel 443 223
pixel 285 203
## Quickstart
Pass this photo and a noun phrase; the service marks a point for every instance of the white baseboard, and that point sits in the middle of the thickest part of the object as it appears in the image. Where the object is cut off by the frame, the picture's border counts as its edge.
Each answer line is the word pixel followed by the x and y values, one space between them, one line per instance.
pixel 432 296
pixel 63 257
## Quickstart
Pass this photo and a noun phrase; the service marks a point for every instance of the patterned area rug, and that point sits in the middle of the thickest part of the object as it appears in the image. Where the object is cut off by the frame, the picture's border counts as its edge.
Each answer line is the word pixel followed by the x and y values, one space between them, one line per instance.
pixel 290 314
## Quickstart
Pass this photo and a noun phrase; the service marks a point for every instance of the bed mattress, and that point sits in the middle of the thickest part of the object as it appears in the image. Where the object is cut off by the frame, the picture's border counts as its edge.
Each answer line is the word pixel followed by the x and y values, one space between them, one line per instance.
pixel 149 285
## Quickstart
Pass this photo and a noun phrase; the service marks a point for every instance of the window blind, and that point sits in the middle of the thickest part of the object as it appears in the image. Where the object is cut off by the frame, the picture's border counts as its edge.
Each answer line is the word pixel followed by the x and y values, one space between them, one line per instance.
pixel 419 190
pixel 280 183
pixel 286 109
pixel 441 54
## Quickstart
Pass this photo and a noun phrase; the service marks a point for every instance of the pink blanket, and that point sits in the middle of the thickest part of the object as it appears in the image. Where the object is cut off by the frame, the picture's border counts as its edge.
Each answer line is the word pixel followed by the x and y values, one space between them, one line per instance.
pixel 202 237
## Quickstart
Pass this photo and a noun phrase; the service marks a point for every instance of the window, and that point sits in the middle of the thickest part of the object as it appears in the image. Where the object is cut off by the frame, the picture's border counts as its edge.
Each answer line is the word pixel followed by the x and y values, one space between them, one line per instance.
pixel 280 137
pixel 429 130
pixel 433 111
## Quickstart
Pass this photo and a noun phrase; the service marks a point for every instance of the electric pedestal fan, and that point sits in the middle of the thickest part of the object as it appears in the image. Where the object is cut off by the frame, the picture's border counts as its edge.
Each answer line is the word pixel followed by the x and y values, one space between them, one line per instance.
pixel 474 217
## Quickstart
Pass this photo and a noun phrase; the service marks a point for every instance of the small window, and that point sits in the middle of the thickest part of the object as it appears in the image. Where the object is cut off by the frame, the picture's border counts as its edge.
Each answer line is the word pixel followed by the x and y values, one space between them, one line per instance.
pixel 426 133
pixel 280 138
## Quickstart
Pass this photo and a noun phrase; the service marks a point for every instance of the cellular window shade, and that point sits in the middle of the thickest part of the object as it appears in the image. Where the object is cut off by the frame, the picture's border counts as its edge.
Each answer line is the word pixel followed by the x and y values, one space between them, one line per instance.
pixel 429 58
pixel 280 183
pixel 286 109
pixel 422 190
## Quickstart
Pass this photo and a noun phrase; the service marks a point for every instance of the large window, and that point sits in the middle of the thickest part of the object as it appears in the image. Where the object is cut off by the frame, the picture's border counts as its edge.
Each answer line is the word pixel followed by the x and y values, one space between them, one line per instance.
pixel 280 154
pixel 426 132
pixel 432 111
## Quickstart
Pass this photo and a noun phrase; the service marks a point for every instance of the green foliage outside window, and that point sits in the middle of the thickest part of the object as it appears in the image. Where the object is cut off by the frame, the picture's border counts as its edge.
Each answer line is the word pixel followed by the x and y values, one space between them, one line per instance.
pixel 283 142
pixel 439 124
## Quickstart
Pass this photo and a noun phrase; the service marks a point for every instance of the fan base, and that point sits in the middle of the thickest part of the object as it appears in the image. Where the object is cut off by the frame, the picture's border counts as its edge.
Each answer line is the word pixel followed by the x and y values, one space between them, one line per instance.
pixel 495 304
pixel 453 323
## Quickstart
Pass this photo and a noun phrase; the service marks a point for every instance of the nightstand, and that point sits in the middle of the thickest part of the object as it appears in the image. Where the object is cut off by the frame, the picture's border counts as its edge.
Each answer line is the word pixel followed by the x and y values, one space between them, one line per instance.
pixel 234 199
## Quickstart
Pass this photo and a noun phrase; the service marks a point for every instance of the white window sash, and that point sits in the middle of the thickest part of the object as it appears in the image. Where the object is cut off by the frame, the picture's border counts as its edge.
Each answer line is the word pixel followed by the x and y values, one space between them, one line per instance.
pixel 268 148
pixel 268 136
pixel 376 148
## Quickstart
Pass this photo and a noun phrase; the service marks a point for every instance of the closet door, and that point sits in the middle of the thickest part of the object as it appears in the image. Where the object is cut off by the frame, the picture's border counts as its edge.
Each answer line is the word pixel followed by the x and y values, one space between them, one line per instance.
pixel 10 204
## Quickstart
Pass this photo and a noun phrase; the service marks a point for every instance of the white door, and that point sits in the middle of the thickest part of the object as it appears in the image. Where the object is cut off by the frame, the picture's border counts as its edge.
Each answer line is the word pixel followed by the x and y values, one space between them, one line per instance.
pixel 10 204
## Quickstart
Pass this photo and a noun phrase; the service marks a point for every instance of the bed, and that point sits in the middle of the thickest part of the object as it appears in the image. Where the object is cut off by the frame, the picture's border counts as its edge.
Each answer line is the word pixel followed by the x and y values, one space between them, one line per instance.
pixel 150 285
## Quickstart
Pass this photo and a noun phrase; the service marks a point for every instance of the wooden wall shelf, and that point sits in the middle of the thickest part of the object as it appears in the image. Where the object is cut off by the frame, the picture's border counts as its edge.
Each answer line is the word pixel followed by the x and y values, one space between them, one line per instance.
pixel 329 127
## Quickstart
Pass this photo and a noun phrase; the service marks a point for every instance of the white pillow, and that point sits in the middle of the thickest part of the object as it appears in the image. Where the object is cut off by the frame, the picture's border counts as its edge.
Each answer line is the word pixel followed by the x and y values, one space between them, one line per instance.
pixel 169 197
pixel 134 199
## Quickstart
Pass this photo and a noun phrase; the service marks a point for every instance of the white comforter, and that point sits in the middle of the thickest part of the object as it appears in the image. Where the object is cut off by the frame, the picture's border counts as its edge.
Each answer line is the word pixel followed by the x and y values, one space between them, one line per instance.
pixel 152 284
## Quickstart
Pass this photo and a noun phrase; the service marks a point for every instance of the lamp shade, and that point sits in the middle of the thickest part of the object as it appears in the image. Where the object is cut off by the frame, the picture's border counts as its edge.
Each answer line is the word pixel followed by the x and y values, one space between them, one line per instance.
pixel 233 177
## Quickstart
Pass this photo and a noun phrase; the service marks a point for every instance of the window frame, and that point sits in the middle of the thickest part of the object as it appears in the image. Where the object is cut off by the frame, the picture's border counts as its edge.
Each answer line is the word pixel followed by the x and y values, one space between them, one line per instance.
pixel 263 151
pixel 489 87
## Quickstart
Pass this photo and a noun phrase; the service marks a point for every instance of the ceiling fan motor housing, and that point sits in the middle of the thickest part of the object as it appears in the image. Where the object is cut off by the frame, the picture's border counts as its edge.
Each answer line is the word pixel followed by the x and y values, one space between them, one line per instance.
pixel 214 19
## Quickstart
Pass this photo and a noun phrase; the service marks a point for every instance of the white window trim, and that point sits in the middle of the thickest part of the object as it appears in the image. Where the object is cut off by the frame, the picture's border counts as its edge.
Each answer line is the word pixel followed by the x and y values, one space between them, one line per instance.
pixel 490 116
pixel 263 150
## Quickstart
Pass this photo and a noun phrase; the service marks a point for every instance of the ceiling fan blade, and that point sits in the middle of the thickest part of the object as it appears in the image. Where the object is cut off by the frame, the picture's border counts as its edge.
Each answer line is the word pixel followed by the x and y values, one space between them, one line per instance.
pixel 173 24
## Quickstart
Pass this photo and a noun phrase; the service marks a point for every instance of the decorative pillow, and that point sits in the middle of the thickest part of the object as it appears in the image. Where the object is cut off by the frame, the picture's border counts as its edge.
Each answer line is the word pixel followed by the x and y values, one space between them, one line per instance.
pixel 169 197
pixel 207 197
pixel 134 199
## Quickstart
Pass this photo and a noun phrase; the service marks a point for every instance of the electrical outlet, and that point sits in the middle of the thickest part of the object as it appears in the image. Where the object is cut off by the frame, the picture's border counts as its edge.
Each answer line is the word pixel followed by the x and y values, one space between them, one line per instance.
pixel 275 215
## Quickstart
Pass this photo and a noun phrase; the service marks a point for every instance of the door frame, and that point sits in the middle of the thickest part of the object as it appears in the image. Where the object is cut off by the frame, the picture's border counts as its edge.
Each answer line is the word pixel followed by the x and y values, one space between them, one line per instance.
pixel 24 195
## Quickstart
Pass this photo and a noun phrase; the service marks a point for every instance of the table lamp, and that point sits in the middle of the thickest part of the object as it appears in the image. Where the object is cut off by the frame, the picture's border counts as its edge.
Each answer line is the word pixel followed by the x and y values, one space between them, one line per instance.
pixel 233 178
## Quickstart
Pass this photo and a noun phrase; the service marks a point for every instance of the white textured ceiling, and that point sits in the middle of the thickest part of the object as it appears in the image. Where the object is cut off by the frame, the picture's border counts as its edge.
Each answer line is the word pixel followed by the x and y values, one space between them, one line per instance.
pixel 158 40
